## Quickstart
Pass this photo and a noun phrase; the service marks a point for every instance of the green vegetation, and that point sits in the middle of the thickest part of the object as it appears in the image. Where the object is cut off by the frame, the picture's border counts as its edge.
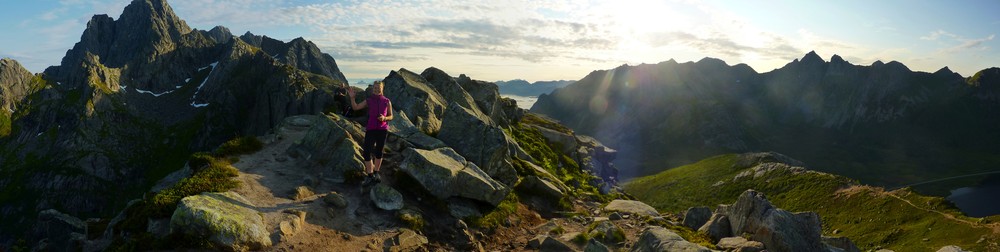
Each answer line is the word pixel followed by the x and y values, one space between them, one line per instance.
pixel 868 216
pixel 496 217
pixel 212 173
pixel 5 124
pixel 580 238
pixel 413 219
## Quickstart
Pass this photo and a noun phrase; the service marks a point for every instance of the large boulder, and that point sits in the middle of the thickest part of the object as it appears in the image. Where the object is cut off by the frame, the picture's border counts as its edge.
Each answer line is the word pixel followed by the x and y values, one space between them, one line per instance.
pixel 778 229
pixel 62 231
pixel 401 127
pixel 717 227
pixel 566 140
pixel 695 217
pixel 607 232
pixel 656 239
pixel 226 219
pixel 331 142
pixel 478 139
pixel 487 96
pixel 413 95
pixel 631 206
pixel 739 244
pixel 842 243
pixel 446 174
pixel 951 248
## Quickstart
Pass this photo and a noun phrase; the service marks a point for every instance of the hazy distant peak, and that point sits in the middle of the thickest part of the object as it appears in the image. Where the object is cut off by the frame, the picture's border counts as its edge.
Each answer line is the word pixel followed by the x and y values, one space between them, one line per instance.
pixel 837 59
pixel 812 57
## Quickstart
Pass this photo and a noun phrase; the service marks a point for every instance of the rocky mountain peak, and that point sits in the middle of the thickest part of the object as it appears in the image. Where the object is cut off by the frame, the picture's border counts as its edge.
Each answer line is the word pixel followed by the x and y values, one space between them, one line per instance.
pixel 15 83
pixel 812 57
pixel 836 59
pixel 220 34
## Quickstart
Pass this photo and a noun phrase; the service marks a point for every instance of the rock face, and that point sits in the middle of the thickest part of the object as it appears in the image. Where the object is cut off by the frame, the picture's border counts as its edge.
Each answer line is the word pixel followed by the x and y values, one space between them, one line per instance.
pixel 224 218
pixel 841 243
pixel 631 206
pixel 740 244
pixel 656 239
pixel 669 113
pixel 446 174
pixel 717 227
pixel 15 84
pixel 778 229
pixel 61 230
pixel 476 138
pixel 490 103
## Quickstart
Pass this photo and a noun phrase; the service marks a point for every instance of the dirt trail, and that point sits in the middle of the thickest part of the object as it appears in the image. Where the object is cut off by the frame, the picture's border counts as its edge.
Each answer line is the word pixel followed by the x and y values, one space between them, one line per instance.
pixel 995 227
pixel 269 178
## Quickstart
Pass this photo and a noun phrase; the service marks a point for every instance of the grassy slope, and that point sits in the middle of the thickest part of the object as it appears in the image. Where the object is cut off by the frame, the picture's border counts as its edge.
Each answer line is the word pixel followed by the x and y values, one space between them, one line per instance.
pixel 869 216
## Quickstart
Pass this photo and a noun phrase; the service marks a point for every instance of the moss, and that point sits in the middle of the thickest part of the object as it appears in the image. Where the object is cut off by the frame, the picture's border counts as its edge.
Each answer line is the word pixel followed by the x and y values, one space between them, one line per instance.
pixel 413 219
pixel 580 238
pixel 5 124
pixel 239 146
pixel 496 217
pixel 534 119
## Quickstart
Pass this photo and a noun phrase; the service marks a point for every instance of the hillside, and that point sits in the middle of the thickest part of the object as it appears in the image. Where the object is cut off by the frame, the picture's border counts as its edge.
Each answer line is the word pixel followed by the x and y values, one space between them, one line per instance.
pixel 858 121
pixel 872 217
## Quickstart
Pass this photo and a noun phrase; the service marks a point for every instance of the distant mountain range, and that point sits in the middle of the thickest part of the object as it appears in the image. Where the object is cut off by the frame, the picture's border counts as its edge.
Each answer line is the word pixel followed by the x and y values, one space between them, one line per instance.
pixel 882 124
pixel 523 88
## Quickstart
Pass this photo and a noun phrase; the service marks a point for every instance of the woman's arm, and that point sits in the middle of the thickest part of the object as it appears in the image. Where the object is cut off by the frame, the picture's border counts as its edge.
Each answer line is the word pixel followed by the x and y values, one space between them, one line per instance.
pixel 355 105
pixel 388 116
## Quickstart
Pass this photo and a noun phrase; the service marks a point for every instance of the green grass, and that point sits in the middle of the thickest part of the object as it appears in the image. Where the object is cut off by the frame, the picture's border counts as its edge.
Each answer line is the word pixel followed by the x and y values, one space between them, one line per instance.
pixel 496 217
pixel 869 217
pixel 5 124
pixel 239 146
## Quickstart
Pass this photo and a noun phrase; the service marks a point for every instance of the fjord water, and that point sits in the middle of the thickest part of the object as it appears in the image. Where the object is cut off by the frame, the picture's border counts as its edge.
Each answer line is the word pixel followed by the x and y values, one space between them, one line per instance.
pixel 524 102
pixel 980 200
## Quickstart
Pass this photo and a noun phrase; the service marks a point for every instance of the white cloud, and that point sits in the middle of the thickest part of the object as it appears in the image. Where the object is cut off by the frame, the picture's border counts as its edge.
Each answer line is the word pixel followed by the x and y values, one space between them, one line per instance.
pixel 937 34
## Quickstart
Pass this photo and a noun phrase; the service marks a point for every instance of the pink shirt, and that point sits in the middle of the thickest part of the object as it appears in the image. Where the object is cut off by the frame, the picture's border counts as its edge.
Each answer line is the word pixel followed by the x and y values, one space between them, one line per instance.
pixel 378 105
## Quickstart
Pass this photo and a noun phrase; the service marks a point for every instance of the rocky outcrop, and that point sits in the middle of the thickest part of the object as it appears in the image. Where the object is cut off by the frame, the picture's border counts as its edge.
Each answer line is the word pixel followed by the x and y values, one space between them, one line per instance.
pixel 15 84
pixel 656 239
pixel 226 219
pixel 446 174
pixel 414 96
pixel 740 244
pixel 329 142
pixel 631 206
pixel 476 138
pixel 842 243
pixel 59 231
pixel 490 103
pixel 298 53
pixel 778 229
pixel 406 240
pixel 401 127
pixel 717 227
pixel 385 197
pixel 449 89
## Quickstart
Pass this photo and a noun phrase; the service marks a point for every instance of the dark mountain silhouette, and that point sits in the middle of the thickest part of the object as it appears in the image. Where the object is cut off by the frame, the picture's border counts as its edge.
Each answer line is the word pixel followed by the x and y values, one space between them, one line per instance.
pixel 133 99
pixel 882 124
pixel 524 88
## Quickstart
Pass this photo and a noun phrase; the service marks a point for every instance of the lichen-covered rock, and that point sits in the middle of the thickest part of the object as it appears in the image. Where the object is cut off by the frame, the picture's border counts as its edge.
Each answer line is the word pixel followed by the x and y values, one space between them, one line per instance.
pixel 607 232
pixel 593 245
pixel 657 239
pixel 479 140
pixel 225 218
pixel 631 206
pixel 335 199
pixel 487 96
pixel 695 217
pixel 406 240
pixel 448 87
pixel 540 187
pixel 951 248
pixel 401 127
pixel 739 244
pixel 842 243
pixel 386 198
pixel 446 174
pixel 301 193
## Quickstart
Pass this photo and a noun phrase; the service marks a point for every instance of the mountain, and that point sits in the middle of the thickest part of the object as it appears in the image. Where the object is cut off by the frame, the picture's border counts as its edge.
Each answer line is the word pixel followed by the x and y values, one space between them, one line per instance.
pixel 883 124
pixel 132 100
pixel 523 88
pixel 872 217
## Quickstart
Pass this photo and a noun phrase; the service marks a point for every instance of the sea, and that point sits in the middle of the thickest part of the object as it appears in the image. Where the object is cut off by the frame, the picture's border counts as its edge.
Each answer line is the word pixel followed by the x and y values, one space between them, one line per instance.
pixel 524 102
pixel 978 201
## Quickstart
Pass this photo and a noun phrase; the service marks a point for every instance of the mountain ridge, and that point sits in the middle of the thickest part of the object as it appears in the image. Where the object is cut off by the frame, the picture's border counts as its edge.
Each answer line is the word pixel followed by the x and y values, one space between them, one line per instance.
pixel 683 112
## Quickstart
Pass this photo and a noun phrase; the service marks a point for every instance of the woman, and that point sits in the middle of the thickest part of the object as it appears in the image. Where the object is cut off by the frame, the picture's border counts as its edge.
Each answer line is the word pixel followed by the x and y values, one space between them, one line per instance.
pixel 376 130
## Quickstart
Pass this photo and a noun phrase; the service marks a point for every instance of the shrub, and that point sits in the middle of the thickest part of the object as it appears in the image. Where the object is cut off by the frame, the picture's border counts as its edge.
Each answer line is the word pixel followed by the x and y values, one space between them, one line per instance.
pixel 239 146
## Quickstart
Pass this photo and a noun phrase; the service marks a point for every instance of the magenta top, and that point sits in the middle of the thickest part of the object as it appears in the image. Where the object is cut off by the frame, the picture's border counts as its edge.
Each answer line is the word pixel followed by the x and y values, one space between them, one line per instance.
pixel 377 105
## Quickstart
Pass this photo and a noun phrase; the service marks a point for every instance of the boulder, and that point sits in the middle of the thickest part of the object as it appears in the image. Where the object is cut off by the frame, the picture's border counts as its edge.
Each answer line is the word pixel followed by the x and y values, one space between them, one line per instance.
pixel 386 198
pixel 717 227
pixel 413 95
pixel 301 193
pixel 656 239
pixel 951 248
pixel 739 244
pixel 487 96
pixel 335 199
pixel 778 229
pixel 565 140
pixel 540 187
pixel 446 174
pixel 695 217
pixel 479 140
pixel 462 208
pixel 547 243
pixel 631 206
pixel 331 142
pixel 842 243
pixel 403 128
pixel 226 219
pixel 607 232
pixel 593 245
pixel 406 240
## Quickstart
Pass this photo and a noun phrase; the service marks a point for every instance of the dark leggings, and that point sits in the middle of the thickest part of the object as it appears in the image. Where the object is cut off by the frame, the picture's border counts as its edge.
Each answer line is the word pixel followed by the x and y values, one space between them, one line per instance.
pixel 374 142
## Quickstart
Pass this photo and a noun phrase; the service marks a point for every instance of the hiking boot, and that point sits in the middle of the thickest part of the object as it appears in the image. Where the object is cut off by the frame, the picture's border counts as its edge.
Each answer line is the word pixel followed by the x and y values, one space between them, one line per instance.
pixel 377 178
pixel 367 181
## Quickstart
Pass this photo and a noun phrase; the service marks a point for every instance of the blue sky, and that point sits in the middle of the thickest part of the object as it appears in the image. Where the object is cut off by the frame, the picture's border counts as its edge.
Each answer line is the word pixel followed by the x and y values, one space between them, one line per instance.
pixel 557 39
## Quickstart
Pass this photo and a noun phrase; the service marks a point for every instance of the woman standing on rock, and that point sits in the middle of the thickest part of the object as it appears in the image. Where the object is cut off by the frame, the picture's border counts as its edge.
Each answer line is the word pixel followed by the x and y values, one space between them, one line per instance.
pixel 376 130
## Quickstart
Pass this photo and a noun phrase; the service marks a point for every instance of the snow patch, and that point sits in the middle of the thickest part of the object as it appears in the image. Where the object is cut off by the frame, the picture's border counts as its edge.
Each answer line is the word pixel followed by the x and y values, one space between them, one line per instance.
pixel 39 133
pixel 198 105
pixel 187 80
pixel 154 94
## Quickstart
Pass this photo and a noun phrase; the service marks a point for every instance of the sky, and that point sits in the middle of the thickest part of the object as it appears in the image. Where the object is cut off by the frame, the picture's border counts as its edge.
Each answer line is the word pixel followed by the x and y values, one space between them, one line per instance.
pixel 557 39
